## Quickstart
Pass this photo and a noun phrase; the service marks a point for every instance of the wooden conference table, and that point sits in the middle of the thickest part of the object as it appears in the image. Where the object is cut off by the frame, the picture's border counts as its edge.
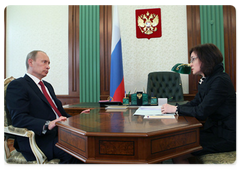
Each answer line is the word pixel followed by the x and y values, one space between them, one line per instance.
pixel 119 137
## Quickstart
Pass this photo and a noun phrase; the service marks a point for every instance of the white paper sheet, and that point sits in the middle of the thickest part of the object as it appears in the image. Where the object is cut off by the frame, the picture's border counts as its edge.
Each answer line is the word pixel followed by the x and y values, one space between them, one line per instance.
pixel 150 111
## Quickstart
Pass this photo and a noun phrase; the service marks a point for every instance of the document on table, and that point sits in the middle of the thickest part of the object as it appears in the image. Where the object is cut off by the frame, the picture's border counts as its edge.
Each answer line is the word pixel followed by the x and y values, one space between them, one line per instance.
pixel 116 108
pixel 165 116
pixel 148 111
pixel 152 112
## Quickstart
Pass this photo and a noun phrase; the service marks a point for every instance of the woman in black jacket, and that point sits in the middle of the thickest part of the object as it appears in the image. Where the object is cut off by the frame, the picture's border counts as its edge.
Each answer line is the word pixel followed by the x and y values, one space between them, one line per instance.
pixel 215 102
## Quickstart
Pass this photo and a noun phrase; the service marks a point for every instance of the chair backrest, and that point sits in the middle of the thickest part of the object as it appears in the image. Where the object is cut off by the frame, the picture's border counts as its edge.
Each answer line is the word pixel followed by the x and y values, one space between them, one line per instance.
pixel 7 117
pixel 165 85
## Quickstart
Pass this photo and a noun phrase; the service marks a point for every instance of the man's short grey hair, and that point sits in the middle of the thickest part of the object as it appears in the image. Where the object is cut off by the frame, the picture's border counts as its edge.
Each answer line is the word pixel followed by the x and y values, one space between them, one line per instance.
pixel 32 55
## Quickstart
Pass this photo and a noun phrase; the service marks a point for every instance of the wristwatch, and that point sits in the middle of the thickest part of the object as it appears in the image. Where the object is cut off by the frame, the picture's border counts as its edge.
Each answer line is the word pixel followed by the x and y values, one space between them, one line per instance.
pixel 176 109
pixel 45 127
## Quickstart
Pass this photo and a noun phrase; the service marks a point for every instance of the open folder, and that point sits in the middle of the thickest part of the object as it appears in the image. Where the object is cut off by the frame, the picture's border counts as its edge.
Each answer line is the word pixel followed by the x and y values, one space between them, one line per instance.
pixel 152 112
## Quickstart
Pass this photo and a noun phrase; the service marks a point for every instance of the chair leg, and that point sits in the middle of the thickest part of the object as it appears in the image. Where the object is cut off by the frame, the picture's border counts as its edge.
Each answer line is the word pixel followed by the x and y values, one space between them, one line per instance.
pixel 6 150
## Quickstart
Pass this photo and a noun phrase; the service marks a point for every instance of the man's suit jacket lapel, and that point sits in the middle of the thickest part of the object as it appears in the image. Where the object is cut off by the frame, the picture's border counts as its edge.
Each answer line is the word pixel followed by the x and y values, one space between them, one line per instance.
pixel 36 89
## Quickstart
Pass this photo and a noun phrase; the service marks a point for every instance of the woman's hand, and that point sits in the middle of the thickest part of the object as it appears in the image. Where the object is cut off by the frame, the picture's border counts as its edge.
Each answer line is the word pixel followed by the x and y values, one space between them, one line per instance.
pixel 52 124
pixel 167 108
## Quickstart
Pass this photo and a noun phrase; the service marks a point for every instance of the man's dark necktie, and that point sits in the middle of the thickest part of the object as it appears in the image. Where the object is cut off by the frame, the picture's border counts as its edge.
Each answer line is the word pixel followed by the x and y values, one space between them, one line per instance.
pixel 49 99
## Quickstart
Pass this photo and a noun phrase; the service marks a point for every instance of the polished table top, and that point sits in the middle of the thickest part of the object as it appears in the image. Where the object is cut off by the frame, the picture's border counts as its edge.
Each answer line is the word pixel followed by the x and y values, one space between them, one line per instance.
pixel 124 123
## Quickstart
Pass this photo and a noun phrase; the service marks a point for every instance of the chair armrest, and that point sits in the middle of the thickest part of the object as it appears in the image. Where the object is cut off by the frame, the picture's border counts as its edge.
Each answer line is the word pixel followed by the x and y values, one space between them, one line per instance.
pixel 40 156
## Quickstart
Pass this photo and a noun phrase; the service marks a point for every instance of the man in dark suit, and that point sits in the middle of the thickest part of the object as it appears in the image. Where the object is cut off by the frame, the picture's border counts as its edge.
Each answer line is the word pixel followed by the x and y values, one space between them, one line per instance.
pixel 36 108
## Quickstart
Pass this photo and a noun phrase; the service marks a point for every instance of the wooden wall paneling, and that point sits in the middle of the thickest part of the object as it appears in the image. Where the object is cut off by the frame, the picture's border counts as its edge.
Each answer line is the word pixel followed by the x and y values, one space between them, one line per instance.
pixel 67 99
pixel 73 57
pixel 229 18
pixel 73 50
pixel 194 38
pixel 105 50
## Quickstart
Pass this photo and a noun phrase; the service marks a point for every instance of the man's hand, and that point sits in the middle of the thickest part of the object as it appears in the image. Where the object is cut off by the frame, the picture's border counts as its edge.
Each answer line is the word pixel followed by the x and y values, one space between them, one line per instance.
pixel 52 124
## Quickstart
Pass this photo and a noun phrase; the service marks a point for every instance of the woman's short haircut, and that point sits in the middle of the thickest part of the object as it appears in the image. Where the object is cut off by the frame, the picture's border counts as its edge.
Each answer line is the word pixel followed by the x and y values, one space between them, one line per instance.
pixel 209 55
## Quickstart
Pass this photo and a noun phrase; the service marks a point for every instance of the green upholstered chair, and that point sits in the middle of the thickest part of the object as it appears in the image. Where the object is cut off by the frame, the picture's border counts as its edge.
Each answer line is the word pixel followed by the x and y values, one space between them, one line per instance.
pixel 15 157
pixel 165 85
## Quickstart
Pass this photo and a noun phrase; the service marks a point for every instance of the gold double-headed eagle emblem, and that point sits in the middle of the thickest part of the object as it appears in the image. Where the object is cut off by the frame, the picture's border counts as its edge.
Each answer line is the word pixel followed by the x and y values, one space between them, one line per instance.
pixel 139 95
pixel 148 23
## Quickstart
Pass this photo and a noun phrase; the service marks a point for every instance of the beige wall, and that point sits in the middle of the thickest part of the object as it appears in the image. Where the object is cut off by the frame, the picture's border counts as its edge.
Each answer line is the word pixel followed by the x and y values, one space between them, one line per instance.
pixel 38 28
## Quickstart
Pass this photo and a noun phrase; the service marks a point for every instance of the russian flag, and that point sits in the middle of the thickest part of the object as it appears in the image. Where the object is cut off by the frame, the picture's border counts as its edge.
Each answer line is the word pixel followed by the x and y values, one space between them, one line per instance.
pixel 117 89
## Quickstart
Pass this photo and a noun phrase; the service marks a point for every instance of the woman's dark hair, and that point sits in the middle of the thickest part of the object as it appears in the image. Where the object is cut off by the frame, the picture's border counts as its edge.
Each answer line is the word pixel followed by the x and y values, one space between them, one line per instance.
pixel 209 55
